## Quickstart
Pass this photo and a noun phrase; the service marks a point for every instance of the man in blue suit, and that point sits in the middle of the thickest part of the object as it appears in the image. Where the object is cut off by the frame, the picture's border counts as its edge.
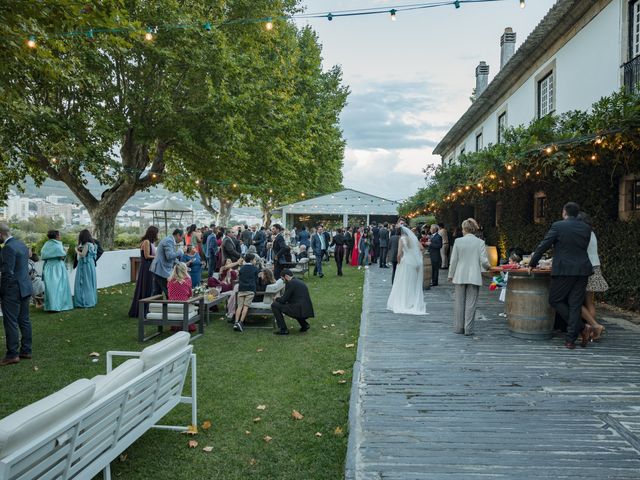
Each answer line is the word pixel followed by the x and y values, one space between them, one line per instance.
pixel 167 255
pixel 15 294
pixel 319 246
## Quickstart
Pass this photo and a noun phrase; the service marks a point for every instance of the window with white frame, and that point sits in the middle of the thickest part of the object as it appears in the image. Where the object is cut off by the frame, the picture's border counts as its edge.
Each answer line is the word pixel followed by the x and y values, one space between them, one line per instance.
pixel 629 199
pixel 545 95
pixel 478 141
pixel 502 126
pixel 634 25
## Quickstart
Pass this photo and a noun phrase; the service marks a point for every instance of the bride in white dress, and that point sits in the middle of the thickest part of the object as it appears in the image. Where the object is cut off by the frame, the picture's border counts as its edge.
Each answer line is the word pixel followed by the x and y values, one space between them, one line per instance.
pixel 406 294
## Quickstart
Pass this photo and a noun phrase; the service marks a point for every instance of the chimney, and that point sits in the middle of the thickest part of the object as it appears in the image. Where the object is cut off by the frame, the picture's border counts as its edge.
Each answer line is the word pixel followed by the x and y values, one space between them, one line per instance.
pixel 507 46
pixel 482 77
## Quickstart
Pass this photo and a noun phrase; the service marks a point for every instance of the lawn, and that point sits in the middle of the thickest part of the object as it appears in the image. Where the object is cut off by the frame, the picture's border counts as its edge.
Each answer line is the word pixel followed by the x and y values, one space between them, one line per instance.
pixel 236 373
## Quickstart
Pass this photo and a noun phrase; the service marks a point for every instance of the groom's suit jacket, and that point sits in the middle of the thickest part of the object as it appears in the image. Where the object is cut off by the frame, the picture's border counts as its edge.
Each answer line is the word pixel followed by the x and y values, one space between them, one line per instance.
pixel 393 248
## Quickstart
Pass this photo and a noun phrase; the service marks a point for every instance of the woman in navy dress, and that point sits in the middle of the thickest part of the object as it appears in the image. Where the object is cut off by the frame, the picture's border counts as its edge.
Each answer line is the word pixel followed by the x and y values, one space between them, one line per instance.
pixel 144 282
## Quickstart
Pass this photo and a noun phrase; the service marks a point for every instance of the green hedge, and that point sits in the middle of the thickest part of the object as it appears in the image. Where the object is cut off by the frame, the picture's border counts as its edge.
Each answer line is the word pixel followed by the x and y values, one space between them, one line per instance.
pixel 596 190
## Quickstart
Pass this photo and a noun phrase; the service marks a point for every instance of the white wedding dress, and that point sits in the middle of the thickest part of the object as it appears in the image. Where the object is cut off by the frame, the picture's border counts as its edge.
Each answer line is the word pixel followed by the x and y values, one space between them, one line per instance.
pixel 406 294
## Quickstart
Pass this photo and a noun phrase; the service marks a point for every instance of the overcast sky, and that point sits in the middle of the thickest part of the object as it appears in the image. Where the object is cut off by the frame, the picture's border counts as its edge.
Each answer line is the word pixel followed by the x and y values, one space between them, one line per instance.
pixel 410 80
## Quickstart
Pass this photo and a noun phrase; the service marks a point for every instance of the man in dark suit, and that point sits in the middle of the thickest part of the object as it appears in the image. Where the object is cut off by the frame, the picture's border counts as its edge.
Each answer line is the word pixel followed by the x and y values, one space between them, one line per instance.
pixel 327 241
pixel 228 246
pixel 246 236
pixel 279 249
pixel 383 236
pixel 15 294
pixel 375 253
pixel 570 270
pixel 295 303
pixel 435 245
pixel 338 254
pixel 393 251
pixel 259 240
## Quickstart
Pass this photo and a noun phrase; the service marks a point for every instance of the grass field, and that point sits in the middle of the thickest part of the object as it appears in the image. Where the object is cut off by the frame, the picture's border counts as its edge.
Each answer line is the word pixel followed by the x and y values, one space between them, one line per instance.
pixel 236 373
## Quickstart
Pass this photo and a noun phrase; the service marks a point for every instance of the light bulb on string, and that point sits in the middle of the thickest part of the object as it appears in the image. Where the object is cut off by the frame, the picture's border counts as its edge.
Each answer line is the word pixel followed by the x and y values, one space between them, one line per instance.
pixel 393 14
pixel 269 24
pixel 330 17
pixel 522 4
pixel 548 150
pixel 31 43
pixel 598 140
pixel 456 4
pixel 149 35
pixel 54 160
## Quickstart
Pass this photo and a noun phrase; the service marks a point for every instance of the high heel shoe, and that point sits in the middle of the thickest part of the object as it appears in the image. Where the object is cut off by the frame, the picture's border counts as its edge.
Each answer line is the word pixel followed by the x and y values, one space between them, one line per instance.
pixel 585 336
pixel 597 333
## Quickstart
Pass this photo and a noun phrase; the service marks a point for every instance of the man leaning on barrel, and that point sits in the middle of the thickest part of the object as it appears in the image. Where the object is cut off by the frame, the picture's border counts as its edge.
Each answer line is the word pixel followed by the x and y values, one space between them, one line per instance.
pixel 570 271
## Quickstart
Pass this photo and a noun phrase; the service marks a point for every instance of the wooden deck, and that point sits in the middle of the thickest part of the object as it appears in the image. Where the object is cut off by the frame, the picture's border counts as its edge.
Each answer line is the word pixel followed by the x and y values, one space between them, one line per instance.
pixel 429 404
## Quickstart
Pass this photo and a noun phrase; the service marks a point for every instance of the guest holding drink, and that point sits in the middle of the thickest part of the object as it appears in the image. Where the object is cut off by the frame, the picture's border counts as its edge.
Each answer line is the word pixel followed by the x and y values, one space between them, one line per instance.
pixel 144 281
pixel 57 292
pixel 192 259
pixel 85 292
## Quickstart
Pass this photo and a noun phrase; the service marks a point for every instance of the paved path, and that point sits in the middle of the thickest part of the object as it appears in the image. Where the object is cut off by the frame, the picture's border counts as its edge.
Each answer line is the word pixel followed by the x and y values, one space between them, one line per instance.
pixel 429 404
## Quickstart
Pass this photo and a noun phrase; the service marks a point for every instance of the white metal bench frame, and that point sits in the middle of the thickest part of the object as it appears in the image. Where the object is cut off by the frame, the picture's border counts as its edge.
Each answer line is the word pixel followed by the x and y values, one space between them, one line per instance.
pixel 86 443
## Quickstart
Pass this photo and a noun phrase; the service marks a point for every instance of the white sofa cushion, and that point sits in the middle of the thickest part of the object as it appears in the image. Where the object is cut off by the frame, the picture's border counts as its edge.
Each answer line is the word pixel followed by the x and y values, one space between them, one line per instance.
pixel 274 287
pixel 124 373
pixel 171 307
pixel 171 316
pixel 155 354
pixel 26 424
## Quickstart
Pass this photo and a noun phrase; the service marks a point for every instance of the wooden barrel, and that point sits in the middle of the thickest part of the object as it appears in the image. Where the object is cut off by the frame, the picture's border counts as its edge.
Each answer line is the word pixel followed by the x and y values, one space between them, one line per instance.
pixel 529 314
pixel 426 267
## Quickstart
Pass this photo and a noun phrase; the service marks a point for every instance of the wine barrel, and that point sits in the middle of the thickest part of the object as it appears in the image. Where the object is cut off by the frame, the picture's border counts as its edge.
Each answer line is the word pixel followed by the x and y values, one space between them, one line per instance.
pixel 426 267
pixel 529 314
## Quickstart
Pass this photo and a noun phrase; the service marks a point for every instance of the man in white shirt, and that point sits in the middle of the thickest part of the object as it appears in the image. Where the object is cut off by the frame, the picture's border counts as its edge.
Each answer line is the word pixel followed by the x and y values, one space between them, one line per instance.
pixel 319 247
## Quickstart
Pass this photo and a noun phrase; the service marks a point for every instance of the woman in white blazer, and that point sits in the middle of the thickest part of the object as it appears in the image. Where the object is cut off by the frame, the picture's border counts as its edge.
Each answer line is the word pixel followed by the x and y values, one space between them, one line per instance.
pixel 468 260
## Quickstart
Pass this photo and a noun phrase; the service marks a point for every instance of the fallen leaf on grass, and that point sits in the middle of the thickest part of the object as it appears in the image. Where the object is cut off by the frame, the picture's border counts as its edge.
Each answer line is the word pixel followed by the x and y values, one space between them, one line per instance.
pixel 191 430
pixel 206 425
pixel 297 415
pixel 342 381
pixel 261 407
pixel 207 449
pixel 192 444
pixel 123 457
pixel 337 431
pixel 35 368
pixel 338 372
pixel 68 341
pixel 318 434
pixel 247 432
pixel 94 354
pixel 267 438
pixel 252 462
pixel 350 345
pixel 256 420
pixel 324 326
pixel 260 350
pixel 333 324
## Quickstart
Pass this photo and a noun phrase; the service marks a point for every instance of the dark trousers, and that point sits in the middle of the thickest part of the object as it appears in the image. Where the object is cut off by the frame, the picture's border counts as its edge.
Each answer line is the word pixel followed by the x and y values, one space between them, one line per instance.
pixel 280 310
pixel 347 254
pixel 435 270
pixel 339 257
pixel 393 272
pixel 566 295
pixel 383 256
pixel 375 252
pixel 160 286
pixel 317 268
pixel 15 311
pixel 277 268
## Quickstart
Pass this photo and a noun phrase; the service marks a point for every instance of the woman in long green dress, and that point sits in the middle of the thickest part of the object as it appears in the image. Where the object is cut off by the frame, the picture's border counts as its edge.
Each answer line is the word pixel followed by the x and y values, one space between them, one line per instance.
pixel 57 292
pixel 85 293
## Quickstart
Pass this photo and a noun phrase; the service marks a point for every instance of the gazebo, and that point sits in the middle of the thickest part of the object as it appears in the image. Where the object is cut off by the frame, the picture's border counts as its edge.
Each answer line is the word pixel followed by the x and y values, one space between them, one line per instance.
pixel 167 210
pixel 343 208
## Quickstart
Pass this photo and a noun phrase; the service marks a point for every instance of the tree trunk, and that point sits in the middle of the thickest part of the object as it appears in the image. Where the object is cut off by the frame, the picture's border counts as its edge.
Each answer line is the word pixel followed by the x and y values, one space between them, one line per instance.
pixel 103 216
pixel 266 216
pixel 224 215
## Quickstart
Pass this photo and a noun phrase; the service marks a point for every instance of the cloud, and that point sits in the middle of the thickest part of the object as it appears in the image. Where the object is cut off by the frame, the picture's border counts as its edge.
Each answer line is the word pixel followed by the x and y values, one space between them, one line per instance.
pixel 393 174
pixel 393 114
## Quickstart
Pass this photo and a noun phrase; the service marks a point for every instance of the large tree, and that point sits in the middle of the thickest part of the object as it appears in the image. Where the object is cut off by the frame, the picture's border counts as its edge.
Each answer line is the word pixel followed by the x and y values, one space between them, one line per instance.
pixel 73 102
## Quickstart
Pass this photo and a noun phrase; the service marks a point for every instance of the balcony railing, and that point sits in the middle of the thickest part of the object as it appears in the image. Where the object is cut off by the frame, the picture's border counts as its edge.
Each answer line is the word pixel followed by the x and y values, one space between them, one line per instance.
pixel 632 75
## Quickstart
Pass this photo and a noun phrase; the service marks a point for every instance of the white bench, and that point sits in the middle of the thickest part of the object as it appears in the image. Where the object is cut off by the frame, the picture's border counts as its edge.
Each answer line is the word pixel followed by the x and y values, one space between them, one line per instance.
pixel 78 431
pixel 165 313
pixel 263 308
pixel 301 268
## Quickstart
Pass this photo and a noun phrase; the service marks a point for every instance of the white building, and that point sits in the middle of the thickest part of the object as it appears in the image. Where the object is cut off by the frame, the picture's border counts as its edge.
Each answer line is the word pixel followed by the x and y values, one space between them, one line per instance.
pixel 52 210
pixel 581 51
pixel 17 207
pixel 571 59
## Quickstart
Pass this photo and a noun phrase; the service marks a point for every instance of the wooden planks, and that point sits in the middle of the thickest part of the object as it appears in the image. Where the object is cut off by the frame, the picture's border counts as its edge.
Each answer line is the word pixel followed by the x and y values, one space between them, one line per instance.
pixel 430 404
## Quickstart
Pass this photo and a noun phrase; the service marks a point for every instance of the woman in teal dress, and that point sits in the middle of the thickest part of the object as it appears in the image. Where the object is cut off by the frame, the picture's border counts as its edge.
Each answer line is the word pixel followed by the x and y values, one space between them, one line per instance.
pixel 85 293
pixel 57 292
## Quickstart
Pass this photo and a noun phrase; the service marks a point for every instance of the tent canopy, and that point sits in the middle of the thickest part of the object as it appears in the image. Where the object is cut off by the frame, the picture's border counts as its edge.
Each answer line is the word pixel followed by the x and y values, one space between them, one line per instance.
pixel 350 202
pixel 167 210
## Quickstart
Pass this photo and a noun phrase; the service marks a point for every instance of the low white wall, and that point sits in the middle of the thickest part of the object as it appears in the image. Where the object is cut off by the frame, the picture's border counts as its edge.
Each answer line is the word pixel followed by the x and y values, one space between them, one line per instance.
pixel 114 267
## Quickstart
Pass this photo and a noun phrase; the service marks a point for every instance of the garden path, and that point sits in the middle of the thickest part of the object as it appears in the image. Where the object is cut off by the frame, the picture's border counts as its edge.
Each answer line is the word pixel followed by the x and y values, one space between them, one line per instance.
pixel 429 404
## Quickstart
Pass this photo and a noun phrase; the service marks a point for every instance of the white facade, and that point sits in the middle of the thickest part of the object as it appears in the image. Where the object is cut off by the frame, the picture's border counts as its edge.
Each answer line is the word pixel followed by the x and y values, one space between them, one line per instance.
pixel 584 65
pixel 17 207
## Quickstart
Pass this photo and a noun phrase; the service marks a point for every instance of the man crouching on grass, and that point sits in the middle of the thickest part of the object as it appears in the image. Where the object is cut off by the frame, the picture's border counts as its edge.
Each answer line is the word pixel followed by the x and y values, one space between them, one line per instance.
pixel 295 303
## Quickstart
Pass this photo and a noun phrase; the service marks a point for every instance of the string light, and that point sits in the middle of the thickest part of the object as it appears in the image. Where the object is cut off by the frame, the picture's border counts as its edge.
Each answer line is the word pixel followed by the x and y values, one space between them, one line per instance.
pixel 598 140
pixel 149 35
pixel 509 167
pixel 197 182
pixel 456 4
pixel 548 150
pixel 330 17
pixel 479 185
pixel 393 14
pixel 594 157
pixel 269 24
pixel 54 160
pixel 522 4
pixel 31 43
